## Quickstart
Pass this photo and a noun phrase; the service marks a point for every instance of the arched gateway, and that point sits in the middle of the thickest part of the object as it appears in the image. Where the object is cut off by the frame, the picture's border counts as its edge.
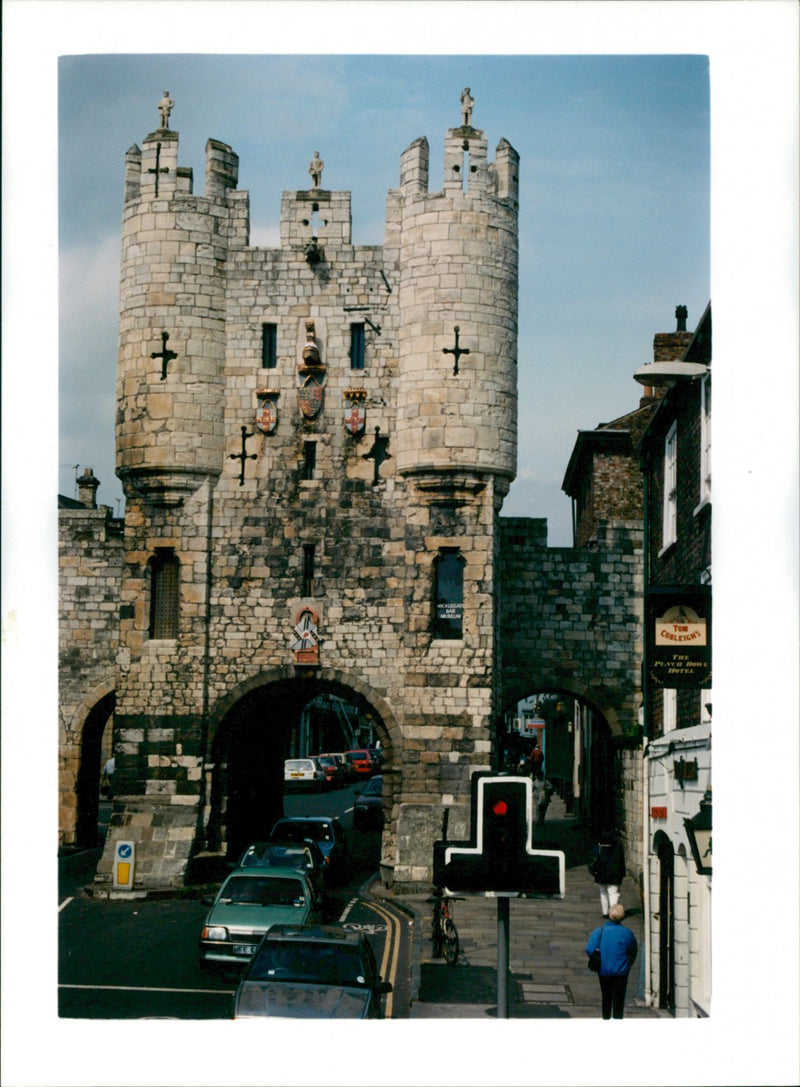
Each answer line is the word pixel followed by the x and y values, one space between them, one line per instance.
pixel 256 728
pixel 315 441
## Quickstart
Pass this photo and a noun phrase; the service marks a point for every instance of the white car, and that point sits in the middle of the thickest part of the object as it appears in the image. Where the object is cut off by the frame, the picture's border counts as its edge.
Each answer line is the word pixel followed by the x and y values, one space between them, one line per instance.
pixel 304 773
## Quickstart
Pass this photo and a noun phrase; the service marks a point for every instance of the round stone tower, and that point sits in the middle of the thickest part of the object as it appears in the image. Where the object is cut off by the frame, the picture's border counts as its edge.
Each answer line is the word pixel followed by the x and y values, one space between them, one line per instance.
pixel 458 258
pixel 172 320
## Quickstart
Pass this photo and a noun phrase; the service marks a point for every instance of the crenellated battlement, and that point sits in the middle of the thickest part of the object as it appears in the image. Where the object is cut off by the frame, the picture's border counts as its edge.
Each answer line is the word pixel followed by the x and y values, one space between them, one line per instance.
pixel 315 428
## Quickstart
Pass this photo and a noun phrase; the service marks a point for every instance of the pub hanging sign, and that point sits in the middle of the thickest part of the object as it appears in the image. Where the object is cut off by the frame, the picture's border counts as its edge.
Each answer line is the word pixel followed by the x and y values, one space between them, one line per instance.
pixel 678 623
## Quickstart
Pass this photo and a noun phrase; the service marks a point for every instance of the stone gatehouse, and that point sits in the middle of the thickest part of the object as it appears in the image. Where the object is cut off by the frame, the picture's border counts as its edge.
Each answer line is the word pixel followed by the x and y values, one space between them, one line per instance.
pixel 315 442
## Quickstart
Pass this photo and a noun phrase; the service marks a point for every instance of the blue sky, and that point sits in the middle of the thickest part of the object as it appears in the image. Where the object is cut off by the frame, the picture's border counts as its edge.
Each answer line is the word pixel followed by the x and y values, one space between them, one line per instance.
pixel 614 208
pixel 607 105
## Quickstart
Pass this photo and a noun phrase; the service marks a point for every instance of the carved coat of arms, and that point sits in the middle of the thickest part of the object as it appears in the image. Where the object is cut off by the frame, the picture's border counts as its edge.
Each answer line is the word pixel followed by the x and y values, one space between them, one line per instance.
pixel 355 410
pixel 267 410
pixel 306 643
pixel 309 398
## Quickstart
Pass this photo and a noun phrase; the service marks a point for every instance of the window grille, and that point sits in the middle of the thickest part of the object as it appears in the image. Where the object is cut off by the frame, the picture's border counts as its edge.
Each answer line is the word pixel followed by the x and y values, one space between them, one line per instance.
pixel 164 594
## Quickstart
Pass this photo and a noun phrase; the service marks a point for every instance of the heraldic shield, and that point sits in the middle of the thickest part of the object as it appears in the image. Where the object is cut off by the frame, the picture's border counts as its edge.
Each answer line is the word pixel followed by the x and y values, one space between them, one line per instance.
pixel 267 411
pixel 309 397
pixel 355 410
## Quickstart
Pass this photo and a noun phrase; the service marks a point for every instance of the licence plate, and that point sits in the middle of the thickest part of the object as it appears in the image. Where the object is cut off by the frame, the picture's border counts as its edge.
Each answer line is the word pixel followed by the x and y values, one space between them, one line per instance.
pixel 244 949
pixel 295 775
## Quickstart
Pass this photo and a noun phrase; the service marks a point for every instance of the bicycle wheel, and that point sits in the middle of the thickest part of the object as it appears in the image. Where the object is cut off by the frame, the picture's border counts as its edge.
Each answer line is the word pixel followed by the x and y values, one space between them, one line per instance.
pixel 450 942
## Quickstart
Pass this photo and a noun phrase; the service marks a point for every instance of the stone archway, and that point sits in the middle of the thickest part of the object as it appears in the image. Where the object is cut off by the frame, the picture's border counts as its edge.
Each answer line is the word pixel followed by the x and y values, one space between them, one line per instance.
pixel 87 781
pixel 581 747
pixel 253 730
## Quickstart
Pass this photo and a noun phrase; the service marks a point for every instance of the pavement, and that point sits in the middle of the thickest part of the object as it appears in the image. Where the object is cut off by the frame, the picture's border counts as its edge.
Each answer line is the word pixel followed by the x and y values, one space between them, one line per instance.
pixel 549 978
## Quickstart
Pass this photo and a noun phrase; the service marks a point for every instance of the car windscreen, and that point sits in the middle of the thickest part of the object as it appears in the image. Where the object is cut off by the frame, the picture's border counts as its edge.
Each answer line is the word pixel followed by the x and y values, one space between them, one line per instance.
pixel 297 831
pixel 357 756
pixel 255 891
pixel 317 963
pixel 298 764
pixel 373 787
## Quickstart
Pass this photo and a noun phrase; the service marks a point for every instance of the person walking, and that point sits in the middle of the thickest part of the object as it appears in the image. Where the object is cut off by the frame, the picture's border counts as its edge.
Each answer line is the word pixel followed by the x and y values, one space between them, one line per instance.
pixel 617 946
pixel 536 760
pixel 607 865
pixel 542 795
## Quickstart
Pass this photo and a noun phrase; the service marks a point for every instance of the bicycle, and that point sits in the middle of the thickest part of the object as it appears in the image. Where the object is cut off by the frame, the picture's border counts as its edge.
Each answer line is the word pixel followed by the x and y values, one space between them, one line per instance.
pixel 443 929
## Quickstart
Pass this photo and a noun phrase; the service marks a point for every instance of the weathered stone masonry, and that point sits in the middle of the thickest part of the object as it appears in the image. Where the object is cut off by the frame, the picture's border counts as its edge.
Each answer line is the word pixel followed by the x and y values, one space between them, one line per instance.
pixel 316 516
pixel 242 530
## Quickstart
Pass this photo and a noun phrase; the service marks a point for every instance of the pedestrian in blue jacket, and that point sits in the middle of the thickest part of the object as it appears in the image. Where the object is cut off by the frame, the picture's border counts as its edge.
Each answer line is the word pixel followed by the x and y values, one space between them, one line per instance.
pixel 618 948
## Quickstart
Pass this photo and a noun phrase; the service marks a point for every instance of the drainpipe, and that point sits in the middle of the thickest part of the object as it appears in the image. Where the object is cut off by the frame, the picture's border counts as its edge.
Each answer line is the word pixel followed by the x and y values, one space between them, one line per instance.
pixel 202 825
pixel 648 989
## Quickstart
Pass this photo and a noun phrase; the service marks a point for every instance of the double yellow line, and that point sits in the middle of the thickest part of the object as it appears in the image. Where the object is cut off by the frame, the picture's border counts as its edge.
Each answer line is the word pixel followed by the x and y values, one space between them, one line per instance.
pixel 391 950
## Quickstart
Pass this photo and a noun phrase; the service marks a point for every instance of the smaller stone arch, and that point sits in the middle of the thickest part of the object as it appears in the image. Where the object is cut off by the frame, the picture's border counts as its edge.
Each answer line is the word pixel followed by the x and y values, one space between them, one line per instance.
pixel 74 776
pixel 84 707
pixel 86 784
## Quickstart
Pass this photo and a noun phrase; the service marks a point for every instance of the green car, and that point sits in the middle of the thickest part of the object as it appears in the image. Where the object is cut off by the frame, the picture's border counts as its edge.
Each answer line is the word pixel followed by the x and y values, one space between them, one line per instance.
pixel 248 903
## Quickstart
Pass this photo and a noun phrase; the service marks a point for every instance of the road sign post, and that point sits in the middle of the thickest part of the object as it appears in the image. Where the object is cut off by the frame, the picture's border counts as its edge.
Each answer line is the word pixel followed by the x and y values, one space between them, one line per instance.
pixel 124 860
pixel 499 860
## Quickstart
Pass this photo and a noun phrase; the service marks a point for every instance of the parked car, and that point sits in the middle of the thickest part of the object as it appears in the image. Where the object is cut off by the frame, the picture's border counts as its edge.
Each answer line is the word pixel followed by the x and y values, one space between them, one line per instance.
pixel 360 762
pixel 377 757
pixel 368 804
pixel 246 906
pixel 340 759
pixel 325 830
pixel 307 856
pixel 311 972
pixel 333 769
pixel 303 774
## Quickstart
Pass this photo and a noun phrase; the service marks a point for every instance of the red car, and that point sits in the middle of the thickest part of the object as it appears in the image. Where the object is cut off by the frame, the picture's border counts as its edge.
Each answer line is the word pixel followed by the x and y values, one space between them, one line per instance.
pixel 360 762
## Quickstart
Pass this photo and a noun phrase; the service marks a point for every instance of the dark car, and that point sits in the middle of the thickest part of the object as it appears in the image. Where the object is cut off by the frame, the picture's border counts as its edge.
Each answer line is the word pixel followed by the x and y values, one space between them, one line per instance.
pixel 306 855
pixel 311 972
pixel 368 805
pixel 325 830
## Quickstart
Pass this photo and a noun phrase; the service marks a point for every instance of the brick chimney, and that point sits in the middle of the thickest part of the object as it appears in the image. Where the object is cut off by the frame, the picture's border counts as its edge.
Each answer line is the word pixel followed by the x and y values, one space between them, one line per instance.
pixel 668 346
pixel 87 489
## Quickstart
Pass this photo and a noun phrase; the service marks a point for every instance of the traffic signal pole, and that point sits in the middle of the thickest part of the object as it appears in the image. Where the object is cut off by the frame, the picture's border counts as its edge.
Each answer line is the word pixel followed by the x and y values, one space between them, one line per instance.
pixel 499 858
pixel 503 912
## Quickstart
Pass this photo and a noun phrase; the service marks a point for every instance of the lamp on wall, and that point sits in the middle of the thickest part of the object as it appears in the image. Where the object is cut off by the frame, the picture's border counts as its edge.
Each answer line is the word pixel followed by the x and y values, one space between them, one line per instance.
pixel 698 831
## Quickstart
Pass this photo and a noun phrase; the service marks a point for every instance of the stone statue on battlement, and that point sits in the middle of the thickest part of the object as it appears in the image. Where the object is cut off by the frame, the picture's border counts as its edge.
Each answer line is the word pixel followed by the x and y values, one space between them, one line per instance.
pixel 164 109
pixel 315 168
pixel 467 102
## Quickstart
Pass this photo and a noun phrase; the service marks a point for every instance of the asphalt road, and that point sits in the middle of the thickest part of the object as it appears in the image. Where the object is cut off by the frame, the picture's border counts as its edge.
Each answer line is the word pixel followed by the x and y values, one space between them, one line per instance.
pixel 122 959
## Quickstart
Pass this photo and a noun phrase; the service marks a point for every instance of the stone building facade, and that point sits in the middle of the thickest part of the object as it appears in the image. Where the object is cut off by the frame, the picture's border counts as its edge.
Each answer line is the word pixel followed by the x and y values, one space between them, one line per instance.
pixel 311 439
pixel 315 441
pixel 90 554
pixel 676 453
